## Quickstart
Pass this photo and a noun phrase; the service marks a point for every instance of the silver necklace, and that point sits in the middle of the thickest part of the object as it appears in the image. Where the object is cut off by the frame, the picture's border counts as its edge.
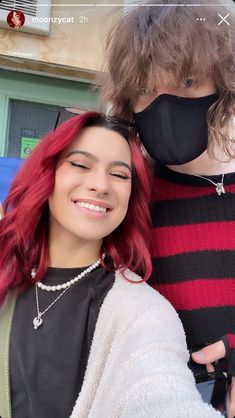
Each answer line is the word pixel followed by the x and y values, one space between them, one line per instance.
pixel 219 187
pixel 37 321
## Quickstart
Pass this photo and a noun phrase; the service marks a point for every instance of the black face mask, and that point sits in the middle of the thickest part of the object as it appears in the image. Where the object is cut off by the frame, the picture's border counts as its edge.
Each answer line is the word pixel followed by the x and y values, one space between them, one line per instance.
pixel 174 129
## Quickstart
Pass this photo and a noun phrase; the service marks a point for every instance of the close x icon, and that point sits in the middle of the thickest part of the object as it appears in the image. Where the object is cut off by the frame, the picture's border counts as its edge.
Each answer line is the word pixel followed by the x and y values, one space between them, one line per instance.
pixel 223 19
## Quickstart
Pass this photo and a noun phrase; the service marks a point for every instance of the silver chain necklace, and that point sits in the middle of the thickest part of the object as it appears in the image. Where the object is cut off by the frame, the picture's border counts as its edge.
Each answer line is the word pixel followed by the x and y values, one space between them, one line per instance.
pixel 219 187
pixel 37 321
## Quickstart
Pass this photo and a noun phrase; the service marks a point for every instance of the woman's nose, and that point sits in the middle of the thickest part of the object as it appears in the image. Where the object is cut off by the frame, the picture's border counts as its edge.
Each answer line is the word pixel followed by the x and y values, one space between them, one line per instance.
pixel 100 184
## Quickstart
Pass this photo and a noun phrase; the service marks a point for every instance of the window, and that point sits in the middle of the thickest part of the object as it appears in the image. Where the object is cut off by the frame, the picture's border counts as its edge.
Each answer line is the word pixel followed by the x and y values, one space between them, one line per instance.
pixel 28 122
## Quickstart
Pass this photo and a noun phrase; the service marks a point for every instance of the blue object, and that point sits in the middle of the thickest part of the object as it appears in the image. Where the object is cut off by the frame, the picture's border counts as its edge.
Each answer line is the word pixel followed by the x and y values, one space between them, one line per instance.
pixel 8 169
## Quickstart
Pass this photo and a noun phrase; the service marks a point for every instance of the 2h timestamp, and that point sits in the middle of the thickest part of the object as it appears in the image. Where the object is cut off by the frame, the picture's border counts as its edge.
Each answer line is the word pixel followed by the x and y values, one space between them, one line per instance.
pixel 83 19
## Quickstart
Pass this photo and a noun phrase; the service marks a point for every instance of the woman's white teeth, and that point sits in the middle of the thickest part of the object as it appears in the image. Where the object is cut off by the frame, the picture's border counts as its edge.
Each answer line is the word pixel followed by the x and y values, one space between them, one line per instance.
pixel 91 206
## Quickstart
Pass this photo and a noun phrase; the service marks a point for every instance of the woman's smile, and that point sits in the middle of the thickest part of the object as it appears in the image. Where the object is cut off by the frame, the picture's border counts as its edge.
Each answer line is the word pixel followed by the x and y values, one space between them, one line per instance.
pixel 92 207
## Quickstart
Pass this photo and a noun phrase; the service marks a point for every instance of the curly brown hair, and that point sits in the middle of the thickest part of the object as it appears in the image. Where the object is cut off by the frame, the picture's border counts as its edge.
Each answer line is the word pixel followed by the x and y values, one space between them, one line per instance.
pixel 167 44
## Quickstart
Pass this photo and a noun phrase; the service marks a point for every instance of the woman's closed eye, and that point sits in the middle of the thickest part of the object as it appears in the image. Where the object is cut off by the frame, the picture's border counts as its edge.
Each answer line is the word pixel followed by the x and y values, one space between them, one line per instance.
pixel 120 175
pixel 79 165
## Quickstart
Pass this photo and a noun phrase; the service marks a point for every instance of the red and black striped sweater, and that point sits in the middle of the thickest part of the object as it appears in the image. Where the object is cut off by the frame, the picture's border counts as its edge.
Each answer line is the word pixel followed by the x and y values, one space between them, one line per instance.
pixel 193 240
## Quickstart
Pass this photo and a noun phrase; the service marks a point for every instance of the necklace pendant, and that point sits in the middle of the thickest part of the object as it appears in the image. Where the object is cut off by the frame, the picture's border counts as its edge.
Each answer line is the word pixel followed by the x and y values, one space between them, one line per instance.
pixel 220 188
pixel 37 322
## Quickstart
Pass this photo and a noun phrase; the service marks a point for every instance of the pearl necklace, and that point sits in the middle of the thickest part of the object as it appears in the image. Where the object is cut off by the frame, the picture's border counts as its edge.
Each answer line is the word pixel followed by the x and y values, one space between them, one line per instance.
pixel 66 284
pixel 219 187
pixel 37 321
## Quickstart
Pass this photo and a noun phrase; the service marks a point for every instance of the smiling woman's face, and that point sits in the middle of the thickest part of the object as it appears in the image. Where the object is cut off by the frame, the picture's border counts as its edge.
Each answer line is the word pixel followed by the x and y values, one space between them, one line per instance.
pixel 92 186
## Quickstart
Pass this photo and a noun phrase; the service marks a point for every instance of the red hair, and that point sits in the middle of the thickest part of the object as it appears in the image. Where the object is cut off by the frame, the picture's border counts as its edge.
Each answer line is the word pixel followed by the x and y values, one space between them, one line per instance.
pixel 24 228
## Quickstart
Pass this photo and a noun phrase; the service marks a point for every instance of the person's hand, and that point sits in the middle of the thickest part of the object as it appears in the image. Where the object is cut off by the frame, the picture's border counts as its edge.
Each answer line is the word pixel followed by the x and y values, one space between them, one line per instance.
pixel 209 354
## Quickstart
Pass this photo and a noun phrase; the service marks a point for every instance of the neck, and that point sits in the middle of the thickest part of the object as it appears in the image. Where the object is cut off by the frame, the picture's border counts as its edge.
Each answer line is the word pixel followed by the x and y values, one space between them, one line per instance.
pixel 206 165
pixel 63 254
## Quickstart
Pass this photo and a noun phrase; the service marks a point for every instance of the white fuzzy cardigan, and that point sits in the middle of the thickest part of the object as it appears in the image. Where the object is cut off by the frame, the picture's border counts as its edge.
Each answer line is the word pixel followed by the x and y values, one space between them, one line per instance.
pixel 137 367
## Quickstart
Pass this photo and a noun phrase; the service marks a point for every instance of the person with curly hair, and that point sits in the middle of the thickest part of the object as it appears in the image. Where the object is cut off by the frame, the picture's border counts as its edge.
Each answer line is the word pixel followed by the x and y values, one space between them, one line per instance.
pixel 170 69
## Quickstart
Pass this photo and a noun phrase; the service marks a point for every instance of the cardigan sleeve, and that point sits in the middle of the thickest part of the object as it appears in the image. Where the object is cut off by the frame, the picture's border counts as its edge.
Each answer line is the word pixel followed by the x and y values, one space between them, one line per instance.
pixel 137 366
pixel 155 379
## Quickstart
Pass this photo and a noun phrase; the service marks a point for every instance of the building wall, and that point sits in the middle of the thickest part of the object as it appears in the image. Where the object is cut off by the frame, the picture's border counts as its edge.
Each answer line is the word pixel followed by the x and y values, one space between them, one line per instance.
pixel 77 44
pixel 68 59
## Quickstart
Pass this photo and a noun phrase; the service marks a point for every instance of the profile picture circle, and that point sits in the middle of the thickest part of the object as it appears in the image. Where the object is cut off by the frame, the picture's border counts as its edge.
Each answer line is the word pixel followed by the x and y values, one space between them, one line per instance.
pixel 15 19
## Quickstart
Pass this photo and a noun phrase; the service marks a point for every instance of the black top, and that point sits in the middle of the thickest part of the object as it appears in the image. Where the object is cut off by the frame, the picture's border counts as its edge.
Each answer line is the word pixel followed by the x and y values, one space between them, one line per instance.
pixel 47 365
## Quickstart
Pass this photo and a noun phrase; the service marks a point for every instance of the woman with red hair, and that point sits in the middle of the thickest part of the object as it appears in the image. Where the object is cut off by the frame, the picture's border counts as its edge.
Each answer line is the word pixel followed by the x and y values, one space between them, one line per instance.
pixel 81 334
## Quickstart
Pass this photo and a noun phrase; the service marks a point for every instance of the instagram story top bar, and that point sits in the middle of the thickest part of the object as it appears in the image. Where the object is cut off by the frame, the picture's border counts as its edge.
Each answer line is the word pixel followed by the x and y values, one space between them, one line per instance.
pixel 132 5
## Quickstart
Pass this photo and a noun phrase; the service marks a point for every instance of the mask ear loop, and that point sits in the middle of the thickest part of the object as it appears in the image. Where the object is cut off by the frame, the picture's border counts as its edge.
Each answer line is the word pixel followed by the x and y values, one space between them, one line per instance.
pixel 57 119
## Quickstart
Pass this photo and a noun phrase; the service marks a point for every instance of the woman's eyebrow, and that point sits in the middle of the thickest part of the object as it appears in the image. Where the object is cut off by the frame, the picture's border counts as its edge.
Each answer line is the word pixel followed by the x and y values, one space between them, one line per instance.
pixel 93 157
pixel 122 164
pixel 87 154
